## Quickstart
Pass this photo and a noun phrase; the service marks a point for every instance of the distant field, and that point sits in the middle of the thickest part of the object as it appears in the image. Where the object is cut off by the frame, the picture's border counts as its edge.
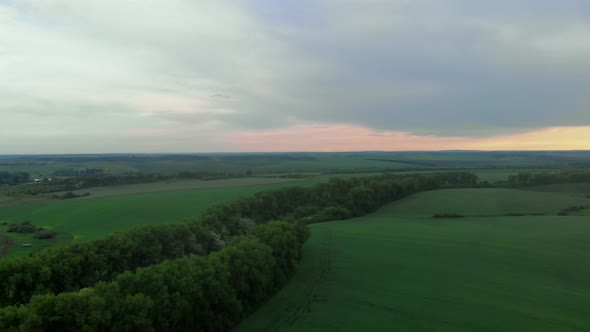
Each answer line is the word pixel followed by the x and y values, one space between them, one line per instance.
pixel 88 219
pixel 490 175
pixel 397 271
pixel 484 202
pixel 583 187
pixel 174 185
pixel 15 249
pixel 264 163
pixel 46 168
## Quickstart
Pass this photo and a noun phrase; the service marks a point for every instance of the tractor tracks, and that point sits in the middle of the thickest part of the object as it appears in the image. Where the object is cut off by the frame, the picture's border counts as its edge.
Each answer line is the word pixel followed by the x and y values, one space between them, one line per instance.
pixel 311 293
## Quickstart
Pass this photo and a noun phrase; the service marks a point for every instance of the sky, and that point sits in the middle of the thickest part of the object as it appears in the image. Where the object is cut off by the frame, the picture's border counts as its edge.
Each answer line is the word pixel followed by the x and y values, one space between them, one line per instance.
pixel 87 76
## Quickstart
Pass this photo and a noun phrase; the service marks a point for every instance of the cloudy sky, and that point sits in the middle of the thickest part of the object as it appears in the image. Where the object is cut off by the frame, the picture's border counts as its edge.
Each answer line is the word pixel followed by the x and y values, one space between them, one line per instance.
pixel 293 75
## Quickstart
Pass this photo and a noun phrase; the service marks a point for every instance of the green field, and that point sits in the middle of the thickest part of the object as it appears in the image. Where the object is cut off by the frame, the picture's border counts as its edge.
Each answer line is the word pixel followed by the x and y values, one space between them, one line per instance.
pixel 483 202
pixel 263 163
pixel 176 185
pixel 92 218
pixel 399 270
pixel 581 187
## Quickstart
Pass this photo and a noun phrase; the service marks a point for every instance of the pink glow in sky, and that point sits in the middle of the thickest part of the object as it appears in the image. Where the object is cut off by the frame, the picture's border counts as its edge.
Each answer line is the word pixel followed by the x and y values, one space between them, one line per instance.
pixel 344 137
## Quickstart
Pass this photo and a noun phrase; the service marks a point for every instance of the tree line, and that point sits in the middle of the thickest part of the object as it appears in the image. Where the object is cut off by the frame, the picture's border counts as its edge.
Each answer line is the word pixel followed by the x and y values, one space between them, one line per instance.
pixel 210 293
pixel 71 183
pixel 540 178
pixel 7 178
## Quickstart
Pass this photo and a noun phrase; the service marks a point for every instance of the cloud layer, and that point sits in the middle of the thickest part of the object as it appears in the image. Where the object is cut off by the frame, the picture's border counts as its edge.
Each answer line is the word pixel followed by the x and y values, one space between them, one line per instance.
pixel 180 75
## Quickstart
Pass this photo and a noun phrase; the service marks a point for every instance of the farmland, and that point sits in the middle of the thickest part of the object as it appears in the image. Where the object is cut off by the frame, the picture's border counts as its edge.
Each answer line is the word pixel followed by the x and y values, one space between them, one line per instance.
pixel 122 208
pixel 399 269
pixel 509 245
pixel 282 163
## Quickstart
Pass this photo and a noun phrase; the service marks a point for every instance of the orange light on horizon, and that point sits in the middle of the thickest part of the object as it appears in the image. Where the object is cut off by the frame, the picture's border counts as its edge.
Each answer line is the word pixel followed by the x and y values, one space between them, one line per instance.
pixel 344 137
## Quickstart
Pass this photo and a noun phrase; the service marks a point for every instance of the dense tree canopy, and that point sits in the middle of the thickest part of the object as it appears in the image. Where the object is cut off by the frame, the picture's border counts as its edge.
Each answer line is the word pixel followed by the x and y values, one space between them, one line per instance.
pixel 186 294
pixel 7 178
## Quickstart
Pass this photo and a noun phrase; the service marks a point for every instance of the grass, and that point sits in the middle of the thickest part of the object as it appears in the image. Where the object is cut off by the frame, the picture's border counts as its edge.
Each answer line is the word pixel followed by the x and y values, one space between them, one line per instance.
pixel 396 270
pixel 89 219
pixel 13 243
pixel 581 187
pixel 483 202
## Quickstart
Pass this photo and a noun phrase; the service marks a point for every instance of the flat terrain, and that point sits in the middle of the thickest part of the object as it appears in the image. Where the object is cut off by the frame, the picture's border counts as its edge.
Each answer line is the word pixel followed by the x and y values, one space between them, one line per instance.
pixel 174 185
pixel 11 243
pixel 264 163
pixel 92 218
pixel 484 202
pixel 581 187
pixel 400 270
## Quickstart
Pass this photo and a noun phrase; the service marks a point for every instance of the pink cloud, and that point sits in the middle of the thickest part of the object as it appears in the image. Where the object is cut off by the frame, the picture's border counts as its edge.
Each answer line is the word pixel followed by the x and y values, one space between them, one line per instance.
pixel 343 137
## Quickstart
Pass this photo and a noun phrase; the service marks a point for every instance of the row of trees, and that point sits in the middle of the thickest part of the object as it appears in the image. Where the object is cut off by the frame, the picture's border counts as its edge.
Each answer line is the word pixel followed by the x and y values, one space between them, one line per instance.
pixel 82 264
pixel 79 265
pixel 186 294
pixel 540 178
pixel 7 178
pixel 334 200
pixel 82 181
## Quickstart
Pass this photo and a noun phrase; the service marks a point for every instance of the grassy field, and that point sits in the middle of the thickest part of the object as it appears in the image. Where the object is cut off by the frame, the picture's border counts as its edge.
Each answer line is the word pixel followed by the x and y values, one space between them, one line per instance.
pixel 175 185
pixel 484 202
pixel 581 187
pixel 92 218
pixel 13 243
pixel 399 270
pixel 261 163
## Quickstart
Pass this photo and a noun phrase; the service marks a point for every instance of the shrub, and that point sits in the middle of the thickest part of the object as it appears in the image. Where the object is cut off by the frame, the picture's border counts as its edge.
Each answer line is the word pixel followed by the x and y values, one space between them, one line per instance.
pixel 570 209
pixel 24 227
pixel 447 215
pixel 335 213
pixel 69 195
pixel 44 234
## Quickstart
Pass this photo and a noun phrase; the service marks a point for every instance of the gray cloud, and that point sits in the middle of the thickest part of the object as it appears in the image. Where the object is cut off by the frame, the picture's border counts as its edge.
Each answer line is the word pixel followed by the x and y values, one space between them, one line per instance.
pixel 201 70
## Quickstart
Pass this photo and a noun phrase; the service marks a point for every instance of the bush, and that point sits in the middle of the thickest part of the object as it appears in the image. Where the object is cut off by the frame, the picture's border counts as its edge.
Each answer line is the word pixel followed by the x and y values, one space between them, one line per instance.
pixel 447 215
pixel 570 209
pixel 68 195
pixel 44 234
pixel 24 227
